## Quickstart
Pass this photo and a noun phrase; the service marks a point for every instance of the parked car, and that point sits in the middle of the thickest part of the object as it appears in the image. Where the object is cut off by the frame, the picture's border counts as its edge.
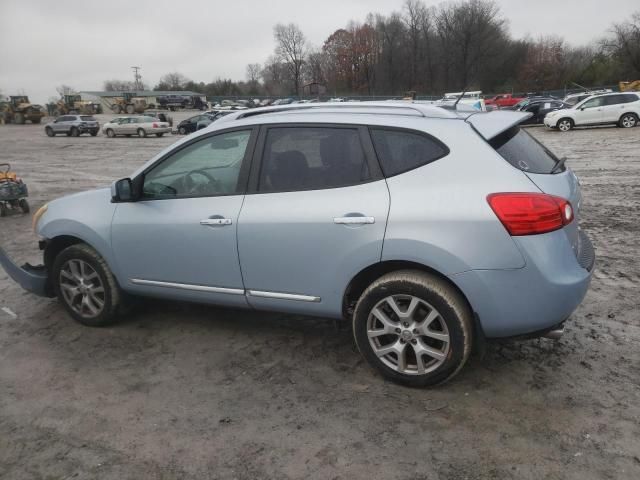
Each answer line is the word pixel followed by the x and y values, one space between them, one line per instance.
pixel 173 102
pixel 197 122
pixel 575 98
pixel 162 116
pixel 503 100
pixel 139 125
pixel 526 101
pixel 622 109
pixel 73 126
pixel 427 229
pixel 540 108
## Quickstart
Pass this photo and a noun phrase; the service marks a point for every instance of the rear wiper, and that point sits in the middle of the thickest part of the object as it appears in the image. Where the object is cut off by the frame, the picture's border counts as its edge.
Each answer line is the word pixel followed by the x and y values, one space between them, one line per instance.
pixel 559 166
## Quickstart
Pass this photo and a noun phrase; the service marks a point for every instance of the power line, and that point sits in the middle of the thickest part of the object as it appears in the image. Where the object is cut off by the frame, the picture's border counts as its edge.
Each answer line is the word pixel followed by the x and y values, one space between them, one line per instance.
pixel 137 78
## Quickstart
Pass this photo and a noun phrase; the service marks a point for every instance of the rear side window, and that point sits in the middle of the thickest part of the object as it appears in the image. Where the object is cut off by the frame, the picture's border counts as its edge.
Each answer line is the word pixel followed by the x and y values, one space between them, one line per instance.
pixel 400 151
pixel 87 118
pixel 312 158
pixel 523 151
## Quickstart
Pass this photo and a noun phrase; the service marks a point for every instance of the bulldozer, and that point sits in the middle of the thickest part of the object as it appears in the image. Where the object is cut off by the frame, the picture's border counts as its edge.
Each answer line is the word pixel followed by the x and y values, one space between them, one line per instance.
pixel 74 104
pixel 18 110
pixel 129 104
pixel 630 86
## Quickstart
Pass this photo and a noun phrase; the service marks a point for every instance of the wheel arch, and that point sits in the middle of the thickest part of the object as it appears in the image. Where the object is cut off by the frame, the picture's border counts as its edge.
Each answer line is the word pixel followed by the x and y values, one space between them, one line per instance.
pixel 368 275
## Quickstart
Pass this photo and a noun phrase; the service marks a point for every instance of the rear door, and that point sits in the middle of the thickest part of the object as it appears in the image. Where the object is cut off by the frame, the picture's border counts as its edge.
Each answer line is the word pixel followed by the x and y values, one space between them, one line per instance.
pixel 315 215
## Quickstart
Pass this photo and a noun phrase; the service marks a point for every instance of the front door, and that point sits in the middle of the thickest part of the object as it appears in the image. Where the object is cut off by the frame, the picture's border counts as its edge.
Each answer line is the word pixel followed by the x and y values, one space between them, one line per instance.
pixel 179 239
pixel 590 112
pixel 315 217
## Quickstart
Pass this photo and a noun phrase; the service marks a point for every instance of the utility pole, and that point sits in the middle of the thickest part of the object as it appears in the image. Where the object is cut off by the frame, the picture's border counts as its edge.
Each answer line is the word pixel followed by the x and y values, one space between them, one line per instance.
pixel 137 78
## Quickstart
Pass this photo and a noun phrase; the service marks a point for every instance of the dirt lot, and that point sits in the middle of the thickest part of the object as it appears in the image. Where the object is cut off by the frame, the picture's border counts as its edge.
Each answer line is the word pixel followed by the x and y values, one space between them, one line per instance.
pixel 180 391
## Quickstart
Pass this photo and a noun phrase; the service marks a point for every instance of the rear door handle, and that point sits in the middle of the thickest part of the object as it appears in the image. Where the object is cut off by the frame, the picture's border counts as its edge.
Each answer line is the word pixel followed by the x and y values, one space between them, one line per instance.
pixel 215 221
pixel 360 220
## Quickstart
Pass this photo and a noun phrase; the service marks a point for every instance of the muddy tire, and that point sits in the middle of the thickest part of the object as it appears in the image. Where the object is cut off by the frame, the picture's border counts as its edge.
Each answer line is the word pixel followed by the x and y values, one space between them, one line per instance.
pixel 414 328
pixel 24 205
pixel 3 210
pixel 49 131
pixel 130 109
pixel 18 119
pixel 85 286
pixel 628 120
pixel 36 120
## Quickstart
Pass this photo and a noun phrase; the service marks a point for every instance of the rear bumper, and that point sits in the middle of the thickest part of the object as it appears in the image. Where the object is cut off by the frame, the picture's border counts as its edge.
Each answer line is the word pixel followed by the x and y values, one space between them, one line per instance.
pixel 33 279
pixel 536 297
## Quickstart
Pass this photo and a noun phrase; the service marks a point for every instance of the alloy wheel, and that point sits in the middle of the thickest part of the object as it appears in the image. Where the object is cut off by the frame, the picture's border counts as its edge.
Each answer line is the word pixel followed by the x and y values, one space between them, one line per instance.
pixel 82 288
pixel 564 125
pixel 628 121
pixel 408 334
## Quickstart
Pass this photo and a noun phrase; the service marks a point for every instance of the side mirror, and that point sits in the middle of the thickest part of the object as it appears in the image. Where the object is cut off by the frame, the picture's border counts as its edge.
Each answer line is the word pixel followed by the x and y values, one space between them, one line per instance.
pixel 582 109
pixel 122 191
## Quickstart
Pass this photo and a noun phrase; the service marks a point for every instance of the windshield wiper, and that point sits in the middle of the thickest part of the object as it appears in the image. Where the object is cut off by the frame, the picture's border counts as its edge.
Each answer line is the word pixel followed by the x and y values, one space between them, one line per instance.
pixel 559 166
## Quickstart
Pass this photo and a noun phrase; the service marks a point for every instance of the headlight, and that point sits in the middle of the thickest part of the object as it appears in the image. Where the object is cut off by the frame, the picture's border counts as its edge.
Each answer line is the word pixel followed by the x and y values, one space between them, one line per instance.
pixel 36 217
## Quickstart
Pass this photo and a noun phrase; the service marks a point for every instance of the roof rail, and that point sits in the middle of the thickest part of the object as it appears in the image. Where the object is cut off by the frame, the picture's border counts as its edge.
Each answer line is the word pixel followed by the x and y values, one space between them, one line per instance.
pixel 388 107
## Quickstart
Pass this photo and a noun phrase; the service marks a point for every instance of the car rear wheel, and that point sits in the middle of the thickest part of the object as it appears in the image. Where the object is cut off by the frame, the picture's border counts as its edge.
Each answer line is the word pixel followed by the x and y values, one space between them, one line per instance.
pixel 49 131
pixel 182 131
pixel 110 133
pixel 94 133
pixel 75 132
pixel 414 328
pixel 24 205
pixel 159 134
pixel 85 286
pixel 565 124
pixel 142 133
pixel 628 120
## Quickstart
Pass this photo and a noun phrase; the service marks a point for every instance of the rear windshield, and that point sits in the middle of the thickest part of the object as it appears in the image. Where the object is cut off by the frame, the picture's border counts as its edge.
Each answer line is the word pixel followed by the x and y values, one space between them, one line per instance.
pixel 87 118
pixel 524 152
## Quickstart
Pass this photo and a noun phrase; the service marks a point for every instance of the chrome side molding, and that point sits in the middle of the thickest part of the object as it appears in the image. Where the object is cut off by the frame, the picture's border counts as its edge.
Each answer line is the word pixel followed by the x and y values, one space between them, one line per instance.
pixel 187 286
pixel 283 296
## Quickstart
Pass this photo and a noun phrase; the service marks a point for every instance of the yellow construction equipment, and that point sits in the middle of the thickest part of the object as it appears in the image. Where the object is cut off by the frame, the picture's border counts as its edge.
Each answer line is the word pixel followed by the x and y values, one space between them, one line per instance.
pixel 74 104
pixel 18 110
pixel 129 104
pixel 630 86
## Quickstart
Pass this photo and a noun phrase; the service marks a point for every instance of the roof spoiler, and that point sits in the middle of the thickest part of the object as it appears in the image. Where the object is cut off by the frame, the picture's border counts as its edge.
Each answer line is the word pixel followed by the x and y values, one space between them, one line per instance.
pixel 492 124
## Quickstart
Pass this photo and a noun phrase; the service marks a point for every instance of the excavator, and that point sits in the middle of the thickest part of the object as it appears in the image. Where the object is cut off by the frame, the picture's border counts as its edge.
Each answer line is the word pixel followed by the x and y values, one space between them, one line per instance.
pixel 633 86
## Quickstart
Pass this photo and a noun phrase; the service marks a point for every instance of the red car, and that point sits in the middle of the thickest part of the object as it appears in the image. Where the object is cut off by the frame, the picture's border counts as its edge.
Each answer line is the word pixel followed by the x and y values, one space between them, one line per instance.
pixel 503 100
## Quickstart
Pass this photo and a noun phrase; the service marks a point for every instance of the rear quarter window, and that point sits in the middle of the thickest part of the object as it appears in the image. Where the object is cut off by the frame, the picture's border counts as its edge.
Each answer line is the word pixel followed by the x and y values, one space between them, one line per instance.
pixel 523 151
pixel 87 118
pixel 400 150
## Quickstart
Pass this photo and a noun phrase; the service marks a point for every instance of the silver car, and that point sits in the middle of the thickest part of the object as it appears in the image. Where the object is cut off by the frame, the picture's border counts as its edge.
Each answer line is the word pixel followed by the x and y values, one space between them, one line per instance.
pixel 428 229
pixel 73 126
pixel 139 125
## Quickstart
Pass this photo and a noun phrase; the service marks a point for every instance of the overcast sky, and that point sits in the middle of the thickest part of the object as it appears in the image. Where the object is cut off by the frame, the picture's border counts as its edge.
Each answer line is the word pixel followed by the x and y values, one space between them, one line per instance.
pixel 45 43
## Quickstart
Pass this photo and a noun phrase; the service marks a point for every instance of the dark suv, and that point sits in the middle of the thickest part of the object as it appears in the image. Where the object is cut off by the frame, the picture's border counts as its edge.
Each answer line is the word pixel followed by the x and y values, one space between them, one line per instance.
pixel 73 126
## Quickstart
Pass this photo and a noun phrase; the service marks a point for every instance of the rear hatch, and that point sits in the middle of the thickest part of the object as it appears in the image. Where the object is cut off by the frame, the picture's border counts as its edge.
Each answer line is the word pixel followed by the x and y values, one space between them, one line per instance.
pixel 89 121
pixel 537 162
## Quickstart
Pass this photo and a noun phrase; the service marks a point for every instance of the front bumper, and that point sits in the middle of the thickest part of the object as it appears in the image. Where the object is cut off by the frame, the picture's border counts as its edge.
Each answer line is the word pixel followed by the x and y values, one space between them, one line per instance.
pixel 34 279
pixel 551 123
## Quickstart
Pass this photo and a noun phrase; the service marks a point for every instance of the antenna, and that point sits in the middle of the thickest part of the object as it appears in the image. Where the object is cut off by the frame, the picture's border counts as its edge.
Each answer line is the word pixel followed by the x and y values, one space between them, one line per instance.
pixel 464 90
pixel 137 78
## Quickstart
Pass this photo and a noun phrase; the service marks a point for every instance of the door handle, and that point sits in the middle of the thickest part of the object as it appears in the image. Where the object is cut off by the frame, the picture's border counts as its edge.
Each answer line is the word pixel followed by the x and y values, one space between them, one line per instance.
pixel 215 221
pixel 360 220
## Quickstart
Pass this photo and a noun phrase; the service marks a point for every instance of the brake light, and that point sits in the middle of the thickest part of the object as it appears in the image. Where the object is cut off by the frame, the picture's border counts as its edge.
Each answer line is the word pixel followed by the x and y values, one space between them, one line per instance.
pixel 155 125
pixel 531 213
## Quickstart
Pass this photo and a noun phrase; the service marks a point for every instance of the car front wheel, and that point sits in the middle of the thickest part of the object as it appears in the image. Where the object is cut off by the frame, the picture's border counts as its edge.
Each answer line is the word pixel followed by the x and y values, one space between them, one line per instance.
pixel 414 328
pixel 142 133
pixel 565 124
pixel 110 133
pixel 85 286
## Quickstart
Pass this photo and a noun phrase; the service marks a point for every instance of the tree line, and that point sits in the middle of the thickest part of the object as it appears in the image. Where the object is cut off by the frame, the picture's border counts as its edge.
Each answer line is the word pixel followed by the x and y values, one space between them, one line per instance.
pixel 429 50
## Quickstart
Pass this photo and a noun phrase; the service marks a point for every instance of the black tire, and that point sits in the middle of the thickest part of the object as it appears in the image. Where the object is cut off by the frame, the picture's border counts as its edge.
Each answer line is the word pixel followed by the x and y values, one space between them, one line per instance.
pixel 116 109
pixel 159 134
pixel 565 124
pixel 111 295
pixel 24 205
pixel 628 120
pixel 454 318
pixel 130 109
pixel 74 132
pixel 141 133
pixel 182 131
pixel 111 133
pixel 36 120
pixel 94 133
pixel 49 131
pixel 3 209
pixel 19 119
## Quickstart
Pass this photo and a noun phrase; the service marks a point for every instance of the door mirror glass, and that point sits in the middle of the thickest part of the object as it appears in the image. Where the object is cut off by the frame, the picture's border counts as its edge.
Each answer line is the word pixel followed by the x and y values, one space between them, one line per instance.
pixel 122 191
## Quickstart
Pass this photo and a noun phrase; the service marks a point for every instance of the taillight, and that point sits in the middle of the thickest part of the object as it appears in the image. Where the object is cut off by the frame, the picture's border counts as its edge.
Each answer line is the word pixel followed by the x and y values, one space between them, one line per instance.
pixel 155 125
pixel 531 213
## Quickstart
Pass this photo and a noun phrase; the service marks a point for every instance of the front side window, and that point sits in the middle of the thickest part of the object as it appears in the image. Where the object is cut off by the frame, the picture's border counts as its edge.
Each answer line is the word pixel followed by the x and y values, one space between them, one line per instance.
pixel 210 166
pixel 400 151
pixel 312 158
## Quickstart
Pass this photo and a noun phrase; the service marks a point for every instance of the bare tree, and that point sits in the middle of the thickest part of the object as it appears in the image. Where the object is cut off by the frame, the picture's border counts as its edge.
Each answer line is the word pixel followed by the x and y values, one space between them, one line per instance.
pixel 253 72
pixel 172 81
pixel 65 90
pixel 624 45
pixel 291 48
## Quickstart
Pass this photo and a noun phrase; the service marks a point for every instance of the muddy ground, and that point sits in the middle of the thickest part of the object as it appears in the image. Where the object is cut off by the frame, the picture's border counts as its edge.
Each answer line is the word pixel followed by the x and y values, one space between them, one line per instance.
pixel 177 391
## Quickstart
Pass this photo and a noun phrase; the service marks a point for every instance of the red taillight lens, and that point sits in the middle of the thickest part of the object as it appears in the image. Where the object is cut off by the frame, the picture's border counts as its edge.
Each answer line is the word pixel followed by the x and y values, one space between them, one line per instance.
pixel 155 125
pixel 531 213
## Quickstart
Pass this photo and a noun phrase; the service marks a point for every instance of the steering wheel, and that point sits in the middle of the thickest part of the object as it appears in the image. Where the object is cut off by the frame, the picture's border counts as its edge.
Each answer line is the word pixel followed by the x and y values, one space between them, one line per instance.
pixel 190 186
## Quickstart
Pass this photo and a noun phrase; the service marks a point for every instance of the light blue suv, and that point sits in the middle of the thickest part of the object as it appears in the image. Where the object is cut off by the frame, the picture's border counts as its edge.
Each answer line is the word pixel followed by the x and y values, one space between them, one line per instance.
pixel 428 229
